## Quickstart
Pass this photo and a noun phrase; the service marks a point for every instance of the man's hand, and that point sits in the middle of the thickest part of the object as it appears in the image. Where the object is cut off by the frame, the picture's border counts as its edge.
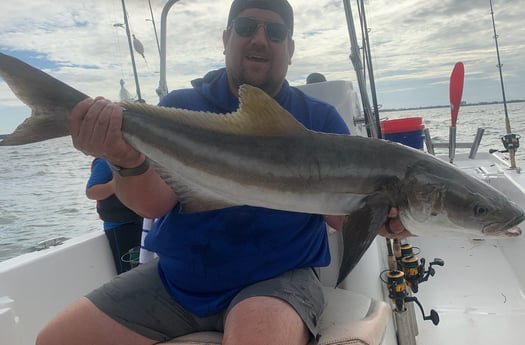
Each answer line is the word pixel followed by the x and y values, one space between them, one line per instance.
pixel 95 126
pixel 393 228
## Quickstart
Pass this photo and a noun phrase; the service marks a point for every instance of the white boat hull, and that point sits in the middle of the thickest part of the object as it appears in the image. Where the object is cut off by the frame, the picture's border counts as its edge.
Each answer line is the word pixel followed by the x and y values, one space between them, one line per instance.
pixel 36 286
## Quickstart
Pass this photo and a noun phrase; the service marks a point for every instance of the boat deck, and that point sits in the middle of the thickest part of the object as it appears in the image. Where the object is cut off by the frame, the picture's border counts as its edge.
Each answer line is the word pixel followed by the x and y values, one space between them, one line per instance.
pixel 479 292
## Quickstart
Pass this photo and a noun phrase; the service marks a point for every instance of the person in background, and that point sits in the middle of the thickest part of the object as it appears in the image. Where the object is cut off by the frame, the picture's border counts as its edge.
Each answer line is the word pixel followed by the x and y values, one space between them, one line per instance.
pixel 315 78
pixel 122 226
pixel 244 271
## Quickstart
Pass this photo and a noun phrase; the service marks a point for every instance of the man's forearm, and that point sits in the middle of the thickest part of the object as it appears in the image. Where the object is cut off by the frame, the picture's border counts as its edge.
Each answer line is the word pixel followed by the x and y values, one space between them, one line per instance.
pixel 146 194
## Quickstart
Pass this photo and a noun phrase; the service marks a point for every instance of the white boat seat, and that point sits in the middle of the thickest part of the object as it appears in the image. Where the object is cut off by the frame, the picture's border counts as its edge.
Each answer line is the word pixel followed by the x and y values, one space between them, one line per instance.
pixel 349 318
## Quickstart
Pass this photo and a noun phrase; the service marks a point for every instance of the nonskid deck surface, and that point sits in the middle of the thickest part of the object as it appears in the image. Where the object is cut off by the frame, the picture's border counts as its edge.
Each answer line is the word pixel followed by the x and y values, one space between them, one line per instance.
pixel 477 294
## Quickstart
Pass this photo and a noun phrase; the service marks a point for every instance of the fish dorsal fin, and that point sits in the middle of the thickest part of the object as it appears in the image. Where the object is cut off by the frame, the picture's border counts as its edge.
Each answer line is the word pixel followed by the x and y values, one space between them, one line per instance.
pixel 258 114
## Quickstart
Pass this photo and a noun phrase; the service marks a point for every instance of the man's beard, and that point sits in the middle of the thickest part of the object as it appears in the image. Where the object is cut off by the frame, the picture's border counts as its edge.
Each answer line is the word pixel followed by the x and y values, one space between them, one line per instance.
pixel 267 84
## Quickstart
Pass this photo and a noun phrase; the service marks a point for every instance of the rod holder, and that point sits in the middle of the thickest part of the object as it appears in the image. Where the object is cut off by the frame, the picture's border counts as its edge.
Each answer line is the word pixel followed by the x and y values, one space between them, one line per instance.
pixel 475 144
pixel 452 144
pixel 428 141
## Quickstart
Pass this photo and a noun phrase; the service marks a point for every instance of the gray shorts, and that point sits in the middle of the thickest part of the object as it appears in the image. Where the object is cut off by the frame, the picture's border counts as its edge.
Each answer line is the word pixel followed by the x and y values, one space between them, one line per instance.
pixel 138 300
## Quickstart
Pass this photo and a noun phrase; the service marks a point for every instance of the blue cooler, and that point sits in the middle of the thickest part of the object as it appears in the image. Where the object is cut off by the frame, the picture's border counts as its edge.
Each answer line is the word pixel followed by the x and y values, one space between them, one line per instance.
pixel 407 131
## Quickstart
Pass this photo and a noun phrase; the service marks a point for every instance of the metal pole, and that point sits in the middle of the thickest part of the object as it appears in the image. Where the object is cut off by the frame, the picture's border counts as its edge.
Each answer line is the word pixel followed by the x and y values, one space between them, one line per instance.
pixel 162 90
pixel 139 96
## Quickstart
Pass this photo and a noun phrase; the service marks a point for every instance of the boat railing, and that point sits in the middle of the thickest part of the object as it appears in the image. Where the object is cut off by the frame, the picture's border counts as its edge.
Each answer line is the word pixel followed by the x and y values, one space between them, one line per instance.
pixel 474 146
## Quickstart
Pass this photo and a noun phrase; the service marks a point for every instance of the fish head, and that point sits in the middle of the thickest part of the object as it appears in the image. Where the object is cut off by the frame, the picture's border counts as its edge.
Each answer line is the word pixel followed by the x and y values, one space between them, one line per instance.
pixel 442 200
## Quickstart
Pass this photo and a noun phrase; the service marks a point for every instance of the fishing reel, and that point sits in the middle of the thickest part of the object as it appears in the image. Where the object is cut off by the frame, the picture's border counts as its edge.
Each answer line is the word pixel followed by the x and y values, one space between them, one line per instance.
pixel 414 268
pixel 415 272
pixel 511 141
pixel 397 292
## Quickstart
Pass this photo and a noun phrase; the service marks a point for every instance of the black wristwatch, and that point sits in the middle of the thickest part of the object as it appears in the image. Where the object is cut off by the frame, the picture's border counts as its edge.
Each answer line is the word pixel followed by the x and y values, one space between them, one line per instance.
pixel 125 172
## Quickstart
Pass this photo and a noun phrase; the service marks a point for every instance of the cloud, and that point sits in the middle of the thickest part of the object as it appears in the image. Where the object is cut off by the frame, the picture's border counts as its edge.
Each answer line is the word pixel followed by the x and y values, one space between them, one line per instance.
pixel 414 45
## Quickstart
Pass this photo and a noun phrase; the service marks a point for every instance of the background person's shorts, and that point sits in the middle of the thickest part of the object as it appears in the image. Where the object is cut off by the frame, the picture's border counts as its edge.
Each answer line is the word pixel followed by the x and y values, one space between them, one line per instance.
pixel 138 300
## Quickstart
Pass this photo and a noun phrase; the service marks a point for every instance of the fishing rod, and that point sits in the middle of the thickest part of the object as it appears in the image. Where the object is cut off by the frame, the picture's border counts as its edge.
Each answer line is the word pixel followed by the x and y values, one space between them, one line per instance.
pixel 128 33
pixel 510 141
pixel 367 57
pixel 372 123
pixel 507 122
pixel 154 25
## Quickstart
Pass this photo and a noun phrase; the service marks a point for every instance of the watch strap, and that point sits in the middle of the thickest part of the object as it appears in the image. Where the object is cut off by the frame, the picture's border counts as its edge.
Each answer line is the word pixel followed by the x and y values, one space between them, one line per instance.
pixel 125 172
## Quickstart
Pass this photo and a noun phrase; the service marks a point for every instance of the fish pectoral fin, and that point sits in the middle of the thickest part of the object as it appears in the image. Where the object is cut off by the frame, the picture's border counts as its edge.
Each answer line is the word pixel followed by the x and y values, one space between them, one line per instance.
pixel 201 204
pixel 192 198
pixel 360 229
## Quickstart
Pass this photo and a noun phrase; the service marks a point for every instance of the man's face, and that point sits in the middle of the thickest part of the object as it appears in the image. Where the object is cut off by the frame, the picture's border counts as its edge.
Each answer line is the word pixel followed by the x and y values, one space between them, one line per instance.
pixel 256 60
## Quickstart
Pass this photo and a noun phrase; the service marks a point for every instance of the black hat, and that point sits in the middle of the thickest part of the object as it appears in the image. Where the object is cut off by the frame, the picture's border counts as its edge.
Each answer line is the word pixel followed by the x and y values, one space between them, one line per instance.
pixel 282 7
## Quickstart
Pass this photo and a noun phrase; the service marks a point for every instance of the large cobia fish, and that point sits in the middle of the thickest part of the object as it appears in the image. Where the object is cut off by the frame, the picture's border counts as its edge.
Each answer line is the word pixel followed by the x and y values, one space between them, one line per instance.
pixel 261 156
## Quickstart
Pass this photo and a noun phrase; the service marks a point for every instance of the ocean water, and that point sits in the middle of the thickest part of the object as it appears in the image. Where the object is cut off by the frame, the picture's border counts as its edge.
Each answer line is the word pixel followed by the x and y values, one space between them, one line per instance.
pixel 491 117
pixel 42 185
pixel 42 195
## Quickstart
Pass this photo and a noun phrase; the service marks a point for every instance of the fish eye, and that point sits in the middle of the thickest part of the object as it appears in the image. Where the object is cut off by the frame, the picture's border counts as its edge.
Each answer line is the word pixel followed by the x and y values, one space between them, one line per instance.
pixel 480 210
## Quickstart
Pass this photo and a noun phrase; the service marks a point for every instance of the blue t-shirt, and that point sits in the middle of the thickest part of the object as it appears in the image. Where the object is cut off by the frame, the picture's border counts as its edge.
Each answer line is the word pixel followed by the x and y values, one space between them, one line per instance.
pixel 101 173
pixel 206 258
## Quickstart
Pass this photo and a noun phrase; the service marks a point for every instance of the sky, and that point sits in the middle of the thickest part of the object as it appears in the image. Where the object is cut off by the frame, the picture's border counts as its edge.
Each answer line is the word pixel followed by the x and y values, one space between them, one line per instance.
pixel 414 44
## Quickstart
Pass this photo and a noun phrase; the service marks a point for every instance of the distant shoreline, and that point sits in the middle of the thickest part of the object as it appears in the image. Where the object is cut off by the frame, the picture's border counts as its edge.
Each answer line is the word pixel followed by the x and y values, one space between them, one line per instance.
pixel 464 104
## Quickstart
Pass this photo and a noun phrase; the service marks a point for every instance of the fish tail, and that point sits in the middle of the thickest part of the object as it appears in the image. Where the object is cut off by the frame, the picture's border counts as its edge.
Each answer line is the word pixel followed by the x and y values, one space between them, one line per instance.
pixel 50 101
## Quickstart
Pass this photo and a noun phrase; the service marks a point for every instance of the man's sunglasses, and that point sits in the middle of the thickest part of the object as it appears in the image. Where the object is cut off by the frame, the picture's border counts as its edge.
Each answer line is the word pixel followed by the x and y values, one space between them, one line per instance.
pixel 247 27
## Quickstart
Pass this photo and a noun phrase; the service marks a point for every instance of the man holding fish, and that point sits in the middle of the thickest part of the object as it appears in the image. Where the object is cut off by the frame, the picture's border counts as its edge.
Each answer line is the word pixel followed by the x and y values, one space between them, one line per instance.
pixel 245 271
